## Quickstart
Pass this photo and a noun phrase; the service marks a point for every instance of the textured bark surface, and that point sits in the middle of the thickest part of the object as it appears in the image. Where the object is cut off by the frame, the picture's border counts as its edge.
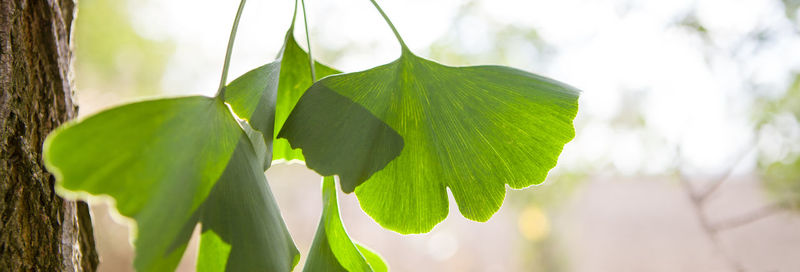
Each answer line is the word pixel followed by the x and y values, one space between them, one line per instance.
pixel 39 231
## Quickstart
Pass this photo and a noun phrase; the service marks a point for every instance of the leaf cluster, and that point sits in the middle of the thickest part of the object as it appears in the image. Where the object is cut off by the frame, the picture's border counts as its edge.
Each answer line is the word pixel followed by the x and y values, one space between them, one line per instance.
pixel 398 135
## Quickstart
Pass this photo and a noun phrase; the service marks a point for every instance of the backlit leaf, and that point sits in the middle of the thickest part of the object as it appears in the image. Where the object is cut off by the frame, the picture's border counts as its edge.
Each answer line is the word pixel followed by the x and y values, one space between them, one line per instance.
pixel 242 226
pixel 295 78
pixel 278 84
pixel 470 129
pixel 329 126
pixel 157 159
pixel 373 259
pixel 252 96
pixel 332 249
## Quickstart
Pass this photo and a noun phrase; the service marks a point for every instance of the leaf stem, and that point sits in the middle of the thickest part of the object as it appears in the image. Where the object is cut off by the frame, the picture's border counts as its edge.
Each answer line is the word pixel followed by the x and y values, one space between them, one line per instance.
pixel 308 41
pixel 396 34
pixel 224 79
pixel 294 16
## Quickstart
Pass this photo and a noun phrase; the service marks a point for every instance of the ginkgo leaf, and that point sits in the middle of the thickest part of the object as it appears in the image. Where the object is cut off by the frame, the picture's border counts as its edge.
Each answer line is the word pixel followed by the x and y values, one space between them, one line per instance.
pixel 359 127
pixel 332 249
pixel 157 160
pixel 329 126
pixel 252 97
pixel 373 259
pixel 265 95
pixel 295 78
pixel 242 226
pixel 470 129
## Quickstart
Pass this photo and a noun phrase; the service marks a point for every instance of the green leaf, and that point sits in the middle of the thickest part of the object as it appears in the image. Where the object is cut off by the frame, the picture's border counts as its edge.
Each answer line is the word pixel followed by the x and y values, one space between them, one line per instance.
pixel 373 259
pixel 329 126
pixel 242 226
pixel 157 159
pixel 213 252
pixel 332 249
pixel 252 96
pixel 255 95
pixel 470 129
pixel 294 80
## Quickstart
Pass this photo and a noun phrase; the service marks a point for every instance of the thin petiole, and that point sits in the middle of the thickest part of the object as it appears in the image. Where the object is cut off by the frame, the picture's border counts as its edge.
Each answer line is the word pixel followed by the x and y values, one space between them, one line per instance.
pixel 224 79
pixel 396 34
pixel 294 16
pixel 308 41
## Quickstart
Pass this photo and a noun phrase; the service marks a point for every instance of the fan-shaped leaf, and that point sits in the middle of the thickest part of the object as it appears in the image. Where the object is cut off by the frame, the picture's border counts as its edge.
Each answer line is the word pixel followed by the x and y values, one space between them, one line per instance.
pixel 295 78
pixel 157 159
pixel 242 226
pixel 471 129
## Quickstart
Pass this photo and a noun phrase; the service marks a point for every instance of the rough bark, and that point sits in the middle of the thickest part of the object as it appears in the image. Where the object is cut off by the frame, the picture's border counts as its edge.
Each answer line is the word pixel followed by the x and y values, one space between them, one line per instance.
pixel 39 231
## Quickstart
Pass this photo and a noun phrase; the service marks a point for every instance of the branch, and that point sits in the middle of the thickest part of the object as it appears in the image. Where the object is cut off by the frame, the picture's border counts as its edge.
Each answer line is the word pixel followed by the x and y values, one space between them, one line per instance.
pixel 711 189
pixel 708 229
pixel 747 218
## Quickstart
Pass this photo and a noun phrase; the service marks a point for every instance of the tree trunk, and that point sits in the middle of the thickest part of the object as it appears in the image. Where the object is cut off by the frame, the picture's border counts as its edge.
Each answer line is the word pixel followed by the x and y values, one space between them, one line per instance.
pixel 39 231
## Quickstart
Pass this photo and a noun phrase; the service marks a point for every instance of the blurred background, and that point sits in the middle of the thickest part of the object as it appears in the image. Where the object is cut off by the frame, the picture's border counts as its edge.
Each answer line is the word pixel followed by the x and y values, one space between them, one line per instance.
pixel 687 155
